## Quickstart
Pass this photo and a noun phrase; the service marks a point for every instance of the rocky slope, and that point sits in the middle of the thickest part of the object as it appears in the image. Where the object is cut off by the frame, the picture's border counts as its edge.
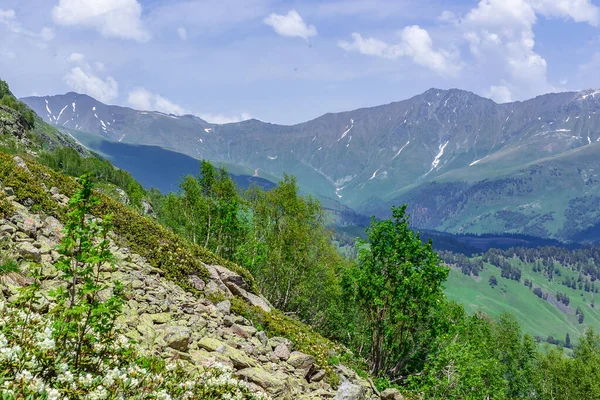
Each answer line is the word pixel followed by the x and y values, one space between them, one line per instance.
pixel 166 320
pixel 469 146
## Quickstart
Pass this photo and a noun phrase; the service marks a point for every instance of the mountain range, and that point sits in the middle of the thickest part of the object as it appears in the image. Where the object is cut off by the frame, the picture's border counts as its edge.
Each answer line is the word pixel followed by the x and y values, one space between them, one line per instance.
pixel 463 163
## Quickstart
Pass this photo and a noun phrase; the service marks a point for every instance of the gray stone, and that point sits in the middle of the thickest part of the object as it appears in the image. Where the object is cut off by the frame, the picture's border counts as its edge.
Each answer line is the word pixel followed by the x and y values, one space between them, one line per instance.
pixel 29 251
pixel 211 344
pixel 197 283
pixel 20 163
pixel 276 341
pixel 177 337
pixel 391 394
pixel 273 385
pixel 300 360
pixel 318 376
pixel 262 336
pixel 282 351
pixel 224 307
pixel 243 331
pixel 350 391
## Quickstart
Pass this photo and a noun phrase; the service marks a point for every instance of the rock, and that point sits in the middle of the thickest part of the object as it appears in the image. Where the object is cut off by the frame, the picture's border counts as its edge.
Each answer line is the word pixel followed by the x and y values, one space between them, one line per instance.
pixel 177 337
pixel 197 283
pixel 350 391
pixel 228 320
pixel 262 336
pixel 29 251
pixel 147 208
pixel 276 341
pixel 224 307
pixel 257 301
pixel 262 378
pixel 243 331
pixel 318 376
pixel 211 344
pixel 8 229
pixel 391 394
pixel 52 228
pixel 300 360
pixel 160 318
pixel 282 351
pixel 20 163
pixel 54 190
pixel 238 358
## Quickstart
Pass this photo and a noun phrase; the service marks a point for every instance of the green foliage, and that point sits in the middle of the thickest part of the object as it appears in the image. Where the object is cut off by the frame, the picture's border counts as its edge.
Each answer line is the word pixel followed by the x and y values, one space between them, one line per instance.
pixel 290 253
pixel 397 287
pixel 70 162
pixel 207 211
pixel 82 318
pixel 26 187
pixel 26 115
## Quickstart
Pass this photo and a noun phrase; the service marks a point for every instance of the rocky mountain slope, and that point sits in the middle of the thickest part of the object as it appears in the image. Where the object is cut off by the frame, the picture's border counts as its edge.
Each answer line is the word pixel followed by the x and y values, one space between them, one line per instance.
pixel 196 318
pixel 497 163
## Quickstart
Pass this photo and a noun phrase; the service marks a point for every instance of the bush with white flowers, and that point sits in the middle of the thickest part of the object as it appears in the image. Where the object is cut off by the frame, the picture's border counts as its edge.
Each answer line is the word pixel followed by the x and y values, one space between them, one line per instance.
pixel 76 350
pixel 29 368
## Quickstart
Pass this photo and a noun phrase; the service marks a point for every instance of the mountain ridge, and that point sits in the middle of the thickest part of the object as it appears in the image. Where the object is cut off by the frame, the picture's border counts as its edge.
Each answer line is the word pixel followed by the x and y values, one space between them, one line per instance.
pixel 370 157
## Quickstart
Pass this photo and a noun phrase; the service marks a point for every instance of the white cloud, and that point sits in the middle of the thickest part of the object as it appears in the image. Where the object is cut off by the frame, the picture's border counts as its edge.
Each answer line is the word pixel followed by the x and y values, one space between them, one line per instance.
pixel 143 99
pixel 224 119
pixel 112 18
pixel 500 35
pixel 578 10
pixel 182 32
pixel 500 94
pixel 84 79
pixel 76 58
pixel 8 18
pixel 415 43
pixel 291 25
pixel 104 90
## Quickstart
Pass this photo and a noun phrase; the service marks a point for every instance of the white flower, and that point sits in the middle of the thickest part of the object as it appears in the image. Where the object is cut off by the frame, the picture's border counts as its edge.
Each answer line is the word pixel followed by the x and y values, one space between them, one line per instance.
pixel 53 394
pixel 163 395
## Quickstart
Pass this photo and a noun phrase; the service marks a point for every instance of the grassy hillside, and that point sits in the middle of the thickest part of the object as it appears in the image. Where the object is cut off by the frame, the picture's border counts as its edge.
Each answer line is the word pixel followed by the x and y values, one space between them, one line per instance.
pixel 161 168
pixel 537 316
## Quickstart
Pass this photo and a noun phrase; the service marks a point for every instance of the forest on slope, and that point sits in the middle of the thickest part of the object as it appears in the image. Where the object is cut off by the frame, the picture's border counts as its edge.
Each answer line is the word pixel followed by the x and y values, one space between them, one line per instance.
pixel 387 305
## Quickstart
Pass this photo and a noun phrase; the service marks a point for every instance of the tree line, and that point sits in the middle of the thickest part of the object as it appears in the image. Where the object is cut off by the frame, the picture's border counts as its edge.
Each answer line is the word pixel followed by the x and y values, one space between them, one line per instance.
pixel 387 304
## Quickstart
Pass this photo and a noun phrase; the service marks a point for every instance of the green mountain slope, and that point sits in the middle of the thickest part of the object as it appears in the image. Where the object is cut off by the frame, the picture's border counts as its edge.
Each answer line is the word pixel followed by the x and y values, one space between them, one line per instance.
pixel 493 160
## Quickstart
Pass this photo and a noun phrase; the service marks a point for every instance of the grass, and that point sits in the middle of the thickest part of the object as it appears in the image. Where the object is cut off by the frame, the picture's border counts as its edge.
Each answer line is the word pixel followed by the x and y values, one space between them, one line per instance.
pixel 538 317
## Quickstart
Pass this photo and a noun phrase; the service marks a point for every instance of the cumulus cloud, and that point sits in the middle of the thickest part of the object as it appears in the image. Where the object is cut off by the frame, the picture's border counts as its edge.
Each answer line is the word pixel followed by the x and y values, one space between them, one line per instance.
pixel 112 18
pixel 500 33
pixel 500 94
pixel 291 25
pixel 224 119
pixel 8 18
pixel 143 99
pixel 83 78
pixel 182 32
pixel 415 43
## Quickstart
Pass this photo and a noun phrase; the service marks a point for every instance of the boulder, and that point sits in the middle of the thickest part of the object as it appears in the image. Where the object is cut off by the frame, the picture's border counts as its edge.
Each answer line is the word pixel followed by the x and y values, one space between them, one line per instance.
pixel 20 163
pixel 273 385
pixel 350 391
pixel 197 283
pixel 29 251
pixel 243 330
pixel 177 337
pixel 211 344
pixel 282 351
pixel 224 307
pixel 391 394
pixel 318 376
pixel 239 358
pixel 300 360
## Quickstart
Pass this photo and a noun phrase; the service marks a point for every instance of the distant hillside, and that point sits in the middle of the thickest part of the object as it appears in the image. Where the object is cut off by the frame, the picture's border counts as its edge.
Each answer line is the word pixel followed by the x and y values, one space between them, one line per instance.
pixel 157 167
pixel 463 163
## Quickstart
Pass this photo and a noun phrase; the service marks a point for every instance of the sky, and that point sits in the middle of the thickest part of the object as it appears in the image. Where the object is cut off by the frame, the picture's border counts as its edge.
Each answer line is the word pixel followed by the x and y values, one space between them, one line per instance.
pixel 286 61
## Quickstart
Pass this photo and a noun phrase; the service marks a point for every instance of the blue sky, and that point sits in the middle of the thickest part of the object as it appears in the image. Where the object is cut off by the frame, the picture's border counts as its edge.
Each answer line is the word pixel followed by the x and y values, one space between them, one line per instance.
pixel 290 61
